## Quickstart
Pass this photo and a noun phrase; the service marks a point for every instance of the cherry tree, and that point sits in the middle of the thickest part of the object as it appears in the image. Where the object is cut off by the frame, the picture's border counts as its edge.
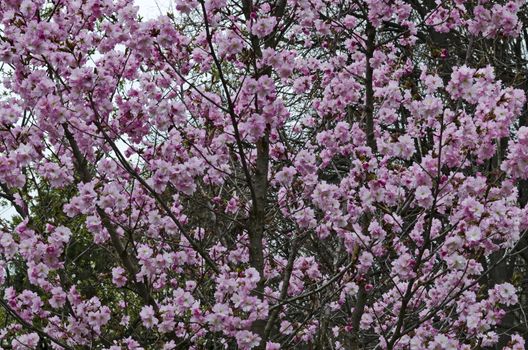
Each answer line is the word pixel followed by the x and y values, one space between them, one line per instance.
pixel 264 174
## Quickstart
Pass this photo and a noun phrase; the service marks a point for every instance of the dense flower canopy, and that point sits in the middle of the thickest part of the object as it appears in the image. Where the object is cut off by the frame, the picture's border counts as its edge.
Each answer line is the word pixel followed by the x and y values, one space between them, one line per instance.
pixel 264 174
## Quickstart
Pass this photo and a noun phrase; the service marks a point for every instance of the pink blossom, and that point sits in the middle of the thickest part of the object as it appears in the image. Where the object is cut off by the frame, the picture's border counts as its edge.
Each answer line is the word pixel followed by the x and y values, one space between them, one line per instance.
pixel 263 26
pixel 118 277
pixel 423 196
pixel 26 341
pixel 148 317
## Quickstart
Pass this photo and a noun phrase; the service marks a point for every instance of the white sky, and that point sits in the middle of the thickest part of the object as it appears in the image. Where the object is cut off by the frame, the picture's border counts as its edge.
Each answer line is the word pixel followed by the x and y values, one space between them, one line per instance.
pixel 150 9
